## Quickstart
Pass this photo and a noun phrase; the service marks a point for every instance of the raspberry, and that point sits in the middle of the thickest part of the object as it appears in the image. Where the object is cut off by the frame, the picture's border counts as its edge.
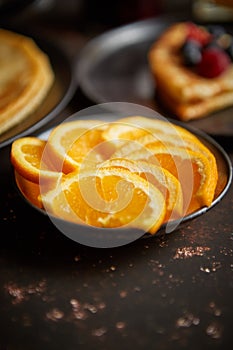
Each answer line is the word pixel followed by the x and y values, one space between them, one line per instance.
pixel 198 34
pixel 214 62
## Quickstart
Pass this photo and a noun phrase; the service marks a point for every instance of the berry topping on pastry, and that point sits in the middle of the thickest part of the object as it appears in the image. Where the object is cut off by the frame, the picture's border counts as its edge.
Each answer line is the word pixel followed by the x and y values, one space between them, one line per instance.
pixel 192 66
pixel 191 51
pixel 199 34
pixel 208 49
pixel 214 62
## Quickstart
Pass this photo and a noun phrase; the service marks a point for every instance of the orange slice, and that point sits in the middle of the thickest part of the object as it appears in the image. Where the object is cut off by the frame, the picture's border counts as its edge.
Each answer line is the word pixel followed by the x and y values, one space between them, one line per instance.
pixel 160 178
pixel 108 198
pixel 26 157
pixel 131 128
pixel 70 142
pixel 160 139
pixel 29 189
pixel 123 129
pixel 192 169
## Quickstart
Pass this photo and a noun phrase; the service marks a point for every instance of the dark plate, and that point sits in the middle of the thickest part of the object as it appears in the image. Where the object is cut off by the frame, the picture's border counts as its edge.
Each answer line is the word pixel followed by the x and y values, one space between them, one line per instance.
pixel 101 237
pixel 114 67
pixel 58 97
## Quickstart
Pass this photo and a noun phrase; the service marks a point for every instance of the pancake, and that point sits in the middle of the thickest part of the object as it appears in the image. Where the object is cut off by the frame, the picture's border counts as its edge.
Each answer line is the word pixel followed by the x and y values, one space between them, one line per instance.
pixel 183 91
pixel 26 76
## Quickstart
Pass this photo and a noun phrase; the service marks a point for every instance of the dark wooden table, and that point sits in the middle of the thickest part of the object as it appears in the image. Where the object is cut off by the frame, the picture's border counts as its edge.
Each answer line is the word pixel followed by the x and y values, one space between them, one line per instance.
pixel 169 292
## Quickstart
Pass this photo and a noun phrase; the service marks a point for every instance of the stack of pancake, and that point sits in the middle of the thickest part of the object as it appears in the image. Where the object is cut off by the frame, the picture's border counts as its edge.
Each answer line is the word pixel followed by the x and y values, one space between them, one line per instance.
pixel 26 76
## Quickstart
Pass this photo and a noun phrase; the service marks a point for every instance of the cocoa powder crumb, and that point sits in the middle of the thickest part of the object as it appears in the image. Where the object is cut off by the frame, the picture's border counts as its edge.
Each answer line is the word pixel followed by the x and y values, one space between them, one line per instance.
pixel 187 320
pixel 55 314
pixel 23 293
pixel 99 332
pixel 214 330
pixel 189 252
pixel 120 325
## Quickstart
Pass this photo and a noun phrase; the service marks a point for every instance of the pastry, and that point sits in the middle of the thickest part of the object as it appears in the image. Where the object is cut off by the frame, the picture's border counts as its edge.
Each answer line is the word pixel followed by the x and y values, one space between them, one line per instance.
pixel 26 77
pixel 193 84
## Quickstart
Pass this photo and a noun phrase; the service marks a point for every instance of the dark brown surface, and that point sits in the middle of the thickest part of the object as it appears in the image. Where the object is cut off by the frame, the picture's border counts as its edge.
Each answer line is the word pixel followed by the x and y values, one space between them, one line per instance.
pixel 169 292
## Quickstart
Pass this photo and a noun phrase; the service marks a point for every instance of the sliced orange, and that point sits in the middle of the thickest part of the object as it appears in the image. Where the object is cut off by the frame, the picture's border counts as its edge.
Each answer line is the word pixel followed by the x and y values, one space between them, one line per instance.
pixel 108 198
pixel 160 178
pixel 192 169
pixel 135 172
pixel 162 139
pixel 29 189
pixel 167 135
pixel 131 128
pixel 33 191
pixel 26 157
pixel 123 129
pixel 70 142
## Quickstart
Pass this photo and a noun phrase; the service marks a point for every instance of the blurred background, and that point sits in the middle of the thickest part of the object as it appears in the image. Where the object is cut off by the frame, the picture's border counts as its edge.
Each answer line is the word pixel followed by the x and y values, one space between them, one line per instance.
pixel 71 23
pixel 87 18
pixel 85 15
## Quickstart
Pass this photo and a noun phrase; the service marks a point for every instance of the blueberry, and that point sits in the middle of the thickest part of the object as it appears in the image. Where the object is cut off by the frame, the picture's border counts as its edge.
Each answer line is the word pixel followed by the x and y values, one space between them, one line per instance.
pixel 216 30
pixel 191 51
